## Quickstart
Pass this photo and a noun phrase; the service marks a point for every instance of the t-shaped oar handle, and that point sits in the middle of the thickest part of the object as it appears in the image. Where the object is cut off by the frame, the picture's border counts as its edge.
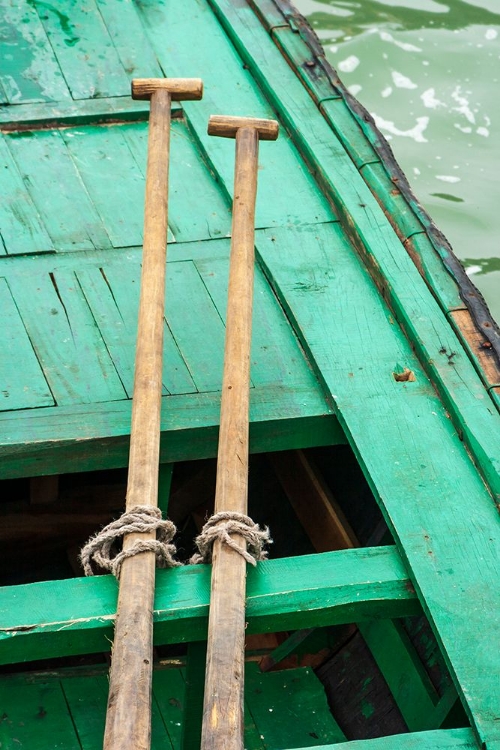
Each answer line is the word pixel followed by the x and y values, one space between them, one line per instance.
pixel 224 679
pixel 128 720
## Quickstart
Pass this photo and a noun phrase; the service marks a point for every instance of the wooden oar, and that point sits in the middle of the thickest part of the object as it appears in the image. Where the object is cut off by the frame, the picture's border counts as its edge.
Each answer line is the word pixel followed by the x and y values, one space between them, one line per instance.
pixel 128 720
pixel 223 703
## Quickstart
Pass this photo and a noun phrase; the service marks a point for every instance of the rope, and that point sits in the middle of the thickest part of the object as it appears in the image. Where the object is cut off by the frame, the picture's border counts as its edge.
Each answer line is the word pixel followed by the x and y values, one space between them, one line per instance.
pixel 139 519
pixel 220 526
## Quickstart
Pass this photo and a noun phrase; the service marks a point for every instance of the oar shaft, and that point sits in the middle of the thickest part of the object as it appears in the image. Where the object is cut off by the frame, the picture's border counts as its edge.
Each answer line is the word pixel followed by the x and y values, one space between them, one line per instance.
pixel 224 682
pixel 128 721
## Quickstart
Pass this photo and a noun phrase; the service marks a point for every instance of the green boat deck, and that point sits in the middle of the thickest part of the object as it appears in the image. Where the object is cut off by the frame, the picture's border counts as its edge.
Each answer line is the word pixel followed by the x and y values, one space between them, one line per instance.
pixel 366 330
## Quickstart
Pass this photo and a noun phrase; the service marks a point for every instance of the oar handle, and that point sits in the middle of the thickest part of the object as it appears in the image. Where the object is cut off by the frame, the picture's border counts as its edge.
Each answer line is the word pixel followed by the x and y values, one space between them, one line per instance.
pixel 224 680
pixel 128 719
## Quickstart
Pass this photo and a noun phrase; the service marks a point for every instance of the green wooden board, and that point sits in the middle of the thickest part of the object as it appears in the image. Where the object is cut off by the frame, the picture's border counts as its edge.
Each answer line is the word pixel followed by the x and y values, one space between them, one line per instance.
pixel 30 71
pixel 76 616
pixel 25 388
pixel 454 739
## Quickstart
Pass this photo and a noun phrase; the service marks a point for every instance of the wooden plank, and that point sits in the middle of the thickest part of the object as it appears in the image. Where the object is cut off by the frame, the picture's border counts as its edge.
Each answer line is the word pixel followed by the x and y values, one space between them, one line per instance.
pixel 275 356
pixel 84 50
pixel 229 87
pixel 69 215
pixel 93 437
pixel 289 708
pixel 35 716
pixel 26 387
pixel 169 698
pixel 196 325
pixel 123 280
pixel 418 454
pixel 374 238
pixel 86 699
pixel 112 178
pixel 441 739
pixel 193 707
pixel 21 228
pixel 129 39
pixel 30 71
pixel 75 361
pixel 76 615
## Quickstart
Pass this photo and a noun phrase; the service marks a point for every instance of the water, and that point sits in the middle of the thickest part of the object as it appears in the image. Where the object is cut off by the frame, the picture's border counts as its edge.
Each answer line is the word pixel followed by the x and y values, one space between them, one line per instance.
pixel 428 71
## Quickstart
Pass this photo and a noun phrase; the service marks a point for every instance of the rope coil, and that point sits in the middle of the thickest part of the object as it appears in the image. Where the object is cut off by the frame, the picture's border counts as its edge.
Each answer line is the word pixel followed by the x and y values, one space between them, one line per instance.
pixel 139 519
pixel 220 526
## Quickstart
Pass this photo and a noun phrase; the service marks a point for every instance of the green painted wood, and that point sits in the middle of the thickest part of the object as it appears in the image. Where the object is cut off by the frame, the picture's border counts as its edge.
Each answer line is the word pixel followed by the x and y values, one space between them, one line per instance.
pixel 69 215
pixel 76 616
pixel 25 388
pixel 196 325
pixel 124 285
pixel 407 447
pixel 112 178
pixel 165 474
pixel 35 716
pixel 83 111
pixel 289 708
pixel 275 355
pixel 371 233
pixel 30 71
pixel 21 227
pixel 84 49
pixel 86 698
pixel 230 88
pixel 459 739
pixel 62 330
pixel 430 266
pixel 169 695
pixel 195 689
pixel 347 130
pixel 127 34
pixel 403 672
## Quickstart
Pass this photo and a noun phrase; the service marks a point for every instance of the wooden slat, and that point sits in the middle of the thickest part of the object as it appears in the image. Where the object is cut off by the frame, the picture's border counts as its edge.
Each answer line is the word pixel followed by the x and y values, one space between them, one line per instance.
pixel 21 227
pixel 112 178
pixel 69 215
pixel 229 88
pixel 84 50
pixel 30 71
pixel 75 361
pixel 20 388
pixel 416 452
pixel 76 616
pixel 441 739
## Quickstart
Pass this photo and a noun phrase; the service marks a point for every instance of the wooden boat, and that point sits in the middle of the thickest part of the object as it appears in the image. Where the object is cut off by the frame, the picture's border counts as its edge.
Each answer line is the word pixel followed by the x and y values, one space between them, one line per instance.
pixel 374 400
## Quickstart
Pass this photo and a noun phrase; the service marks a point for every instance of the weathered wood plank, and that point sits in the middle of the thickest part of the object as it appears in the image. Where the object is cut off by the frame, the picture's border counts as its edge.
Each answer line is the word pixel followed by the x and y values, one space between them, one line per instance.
pixel 84 50
pixel 20 388
pixel 63 332
pixel 335 308
pixel 21 227
pixel 30 71
pixel 57 618
pixel 88 438
pixel 441 739
pixel 229 87
pixel 69 215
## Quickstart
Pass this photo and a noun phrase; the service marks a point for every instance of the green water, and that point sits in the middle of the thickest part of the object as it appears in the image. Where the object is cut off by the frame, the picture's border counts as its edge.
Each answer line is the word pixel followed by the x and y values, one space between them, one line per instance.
pixel 429 72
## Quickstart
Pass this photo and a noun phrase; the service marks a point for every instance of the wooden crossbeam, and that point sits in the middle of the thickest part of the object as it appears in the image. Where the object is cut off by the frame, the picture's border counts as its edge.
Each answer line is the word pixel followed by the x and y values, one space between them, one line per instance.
pixel 76 616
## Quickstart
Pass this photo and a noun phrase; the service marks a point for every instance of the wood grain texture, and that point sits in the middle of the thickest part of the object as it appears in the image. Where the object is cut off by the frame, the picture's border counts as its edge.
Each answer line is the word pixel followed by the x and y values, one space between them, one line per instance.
pixel 58 618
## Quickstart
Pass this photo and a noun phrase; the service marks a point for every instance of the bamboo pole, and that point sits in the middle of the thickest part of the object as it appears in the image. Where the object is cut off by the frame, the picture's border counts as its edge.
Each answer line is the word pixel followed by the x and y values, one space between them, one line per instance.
pixel 224 681
pixel 128 718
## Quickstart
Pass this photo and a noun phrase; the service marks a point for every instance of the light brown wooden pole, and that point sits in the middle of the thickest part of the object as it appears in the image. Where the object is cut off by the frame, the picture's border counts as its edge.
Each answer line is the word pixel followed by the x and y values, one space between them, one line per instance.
pixel 224 680
pixel 128 719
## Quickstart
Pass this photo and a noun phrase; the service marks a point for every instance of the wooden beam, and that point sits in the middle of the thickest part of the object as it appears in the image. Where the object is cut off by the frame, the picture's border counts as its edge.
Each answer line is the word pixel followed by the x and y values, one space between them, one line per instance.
pixel 58 618
pixel 439 739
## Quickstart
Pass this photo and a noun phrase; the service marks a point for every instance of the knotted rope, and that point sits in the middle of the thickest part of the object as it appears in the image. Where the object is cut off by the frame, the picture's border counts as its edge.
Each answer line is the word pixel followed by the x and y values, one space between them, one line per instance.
pixel 220 526
pixel 139 519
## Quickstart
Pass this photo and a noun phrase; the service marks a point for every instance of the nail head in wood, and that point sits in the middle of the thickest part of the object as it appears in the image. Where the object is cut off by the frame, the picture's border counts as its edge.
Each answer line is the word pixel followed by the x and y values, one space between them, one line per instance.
pixel 178 88
pixel 226 126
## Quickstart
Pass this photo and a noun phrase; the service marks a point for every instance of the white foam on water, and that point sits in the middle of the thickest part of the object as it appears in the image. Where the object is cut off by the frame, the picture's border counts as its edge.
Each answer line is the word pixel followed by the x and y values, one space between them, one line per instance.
pixel 429 99
pixel 491 34
pixel 386 37
pixel 349 64
pixel 471 270
pixel 416 133
pixel 386 92
pixel 463 128
pixel 402 81
pixel 463 105
pixel 483 131
pixel 447 178
pixel 355 89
